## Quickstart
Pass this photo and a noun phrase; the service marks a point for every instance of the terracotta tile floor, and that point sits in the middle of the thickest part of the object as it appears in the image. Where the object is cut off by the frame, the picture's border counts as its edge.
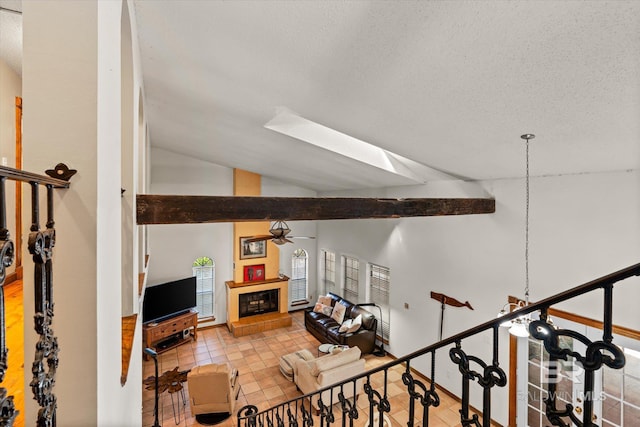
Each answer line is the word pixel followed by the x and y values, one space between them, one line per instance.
pixel 256 357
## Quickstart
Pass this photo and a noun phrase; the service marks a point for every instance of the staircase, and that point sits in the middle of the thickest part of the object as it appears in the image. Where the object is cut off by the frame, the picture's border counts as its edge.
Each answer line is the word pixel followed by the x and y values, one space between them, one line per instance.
pixel 421 395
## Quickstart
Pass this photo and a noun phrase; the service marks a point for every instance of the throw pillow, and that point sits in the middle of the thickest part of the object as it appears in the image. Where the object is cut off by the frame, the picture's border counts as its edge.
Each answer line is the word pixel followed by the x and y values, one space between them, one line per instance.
pixel 345 326
pixel 326 300
pixel 355 324
pixel 324 309
pixel 338 312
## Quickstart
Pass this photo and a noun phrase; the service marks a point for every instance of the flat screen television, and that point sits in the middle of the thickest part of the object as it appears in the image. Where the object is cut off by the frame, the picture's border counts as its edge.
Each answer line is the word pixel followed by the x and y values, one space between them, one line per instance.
pixel 168 299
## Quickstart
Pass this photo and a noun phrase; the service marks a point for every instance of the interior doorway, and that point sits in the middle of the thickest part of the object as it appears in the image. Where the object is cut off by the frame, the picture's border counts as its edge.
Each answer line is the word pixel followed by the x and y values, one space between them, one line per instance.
pixel 616 394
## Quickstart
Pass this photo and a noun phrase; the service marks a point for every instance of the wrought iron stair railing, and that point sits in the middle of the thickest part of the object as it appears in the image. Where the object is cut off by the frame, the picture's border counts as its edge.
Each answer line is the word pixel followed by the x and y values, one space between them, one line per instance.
pixel 41 243
pixel 319 408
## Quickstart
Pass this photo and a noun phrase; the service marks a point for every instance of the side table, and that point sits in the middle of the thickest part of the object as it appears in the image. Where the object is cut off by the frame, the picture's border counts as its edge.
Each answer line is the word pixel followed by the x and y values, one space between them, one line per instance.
pixel 170 381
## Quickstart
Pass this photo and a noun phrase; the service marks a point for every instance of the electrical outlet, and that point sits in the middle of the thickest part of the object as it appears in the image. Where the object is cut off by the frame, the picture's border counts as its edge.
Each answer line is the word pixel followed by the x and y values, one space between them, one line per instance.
pixel 406 305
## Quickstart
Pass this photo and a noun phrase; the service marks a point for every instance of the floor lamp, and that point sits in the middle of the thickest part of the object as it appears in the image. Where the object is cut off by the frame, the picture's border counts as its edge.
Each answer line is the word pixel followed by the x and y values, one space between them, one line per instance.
pixel 380 351
pixel 151 352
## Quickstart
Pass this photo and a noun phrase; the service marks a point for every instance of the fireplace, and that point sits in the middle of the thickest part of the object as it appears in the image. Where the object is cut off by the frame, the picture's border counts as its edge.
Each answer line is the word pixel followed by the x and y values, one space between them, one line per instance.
pixel 256 307
pixel 260 302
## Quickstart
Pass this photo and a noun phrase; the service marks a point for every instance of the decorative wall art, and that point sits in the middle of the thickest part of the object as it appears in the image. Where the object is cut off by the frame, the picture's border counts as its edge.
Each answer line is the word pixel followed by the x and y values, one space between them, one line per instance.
pixel 253 273
pixel 249 250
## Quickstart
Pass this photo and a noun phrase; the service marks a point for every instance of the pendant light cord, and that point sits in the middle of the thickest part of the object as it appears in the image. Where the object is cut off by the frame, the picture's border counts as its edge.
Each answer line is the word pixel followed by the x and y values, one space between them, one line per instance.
pixel 526 137
pixel 526 232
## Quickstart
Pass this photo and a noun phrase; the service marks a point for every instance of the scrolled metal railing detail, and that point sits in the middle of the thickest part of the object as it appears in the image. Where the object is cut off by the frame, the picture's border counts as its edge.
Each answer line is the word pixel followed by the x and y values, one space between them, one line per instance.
pixel 348 408
pixel 279 421
pixel 248 413
pixel 491 375
pixel 326 414
pixel 6 256
pixel 555 415
pixel 41 245
pixel 597 354
pixel 307 417
pixel 293 421
pixel 8 412
pixel 418 392
pixel 376 400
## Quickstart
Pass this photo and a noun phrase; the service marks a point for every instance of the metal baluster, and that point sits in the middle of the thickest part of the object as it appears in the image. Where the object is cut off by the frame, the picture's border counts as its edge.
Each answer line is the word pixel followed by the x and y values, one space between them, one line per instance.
pixel 293 419
pixel 326 414
pixel 598 353
pixel 250 412
pixel 8 413
pixel 40 246
pixel 307 416
pixel 349 409
pixel 491 375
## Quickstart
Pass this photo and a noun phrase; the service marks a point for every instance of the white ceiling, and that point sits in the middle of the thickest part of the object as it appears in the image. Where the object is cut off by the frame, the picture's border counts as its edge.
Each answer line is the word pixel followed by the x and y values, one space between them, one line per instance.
pixel 449 84
pixel 11 34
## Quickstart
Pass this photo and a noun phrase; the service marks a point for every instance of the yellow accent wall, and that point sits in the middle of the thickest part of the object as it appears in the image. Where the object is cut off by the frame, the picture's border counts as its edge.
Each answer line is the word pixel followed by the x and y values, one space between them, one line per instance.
pixel 249 184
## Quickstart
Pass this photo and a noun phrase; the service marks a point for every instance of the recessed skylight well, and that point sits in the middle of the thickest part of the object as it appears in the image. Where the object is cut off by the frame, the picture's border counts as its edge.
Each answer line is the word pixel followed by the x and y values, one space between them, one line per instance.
pixel 291 124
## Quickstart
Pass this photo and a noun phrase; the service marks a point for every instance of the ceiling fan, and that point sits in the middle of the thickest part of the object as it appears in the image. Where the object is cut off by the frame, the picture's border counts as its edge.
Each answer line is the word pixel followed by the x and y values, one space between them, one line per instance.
pixel 279 234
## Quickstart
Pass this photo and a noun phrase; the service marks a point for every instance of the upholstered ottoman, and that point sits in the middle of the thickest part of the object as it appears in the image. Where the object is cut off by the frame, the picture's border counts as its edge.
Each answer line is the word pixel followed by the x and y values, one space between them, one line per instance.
pixel 289 360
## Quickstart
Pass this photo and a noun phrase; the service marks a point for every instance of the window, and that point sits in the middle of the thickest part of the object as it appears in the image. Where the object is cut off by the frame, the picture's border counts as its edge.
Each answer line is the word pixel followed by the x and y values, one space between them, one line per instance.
pixel 299 272
pixel 204 271
pixel 329 272
pixel 351 272
pixel 615 397
pixel 620 397
pixel 379 283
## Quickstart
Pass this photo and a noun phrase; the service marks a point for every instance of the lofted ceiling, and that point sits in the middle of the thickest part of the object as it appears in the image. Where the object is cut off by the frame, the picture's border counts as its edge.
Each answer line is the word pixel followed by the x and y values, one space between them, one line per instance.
pixel 448 84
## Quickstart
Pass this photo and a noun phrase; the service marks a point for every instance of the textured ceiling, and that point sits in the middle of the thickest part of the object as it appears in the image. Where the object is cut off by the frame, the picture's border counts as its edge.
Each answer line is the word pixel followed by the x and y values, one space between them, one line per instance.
pixel 11 34
pixel 451 85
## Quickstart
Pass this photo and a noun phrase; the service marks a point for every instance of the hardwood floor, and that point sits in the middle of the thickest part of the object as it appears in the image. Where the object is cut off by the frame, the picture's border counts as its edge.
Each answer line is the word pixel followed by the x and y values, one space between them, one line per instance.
pixel 14 321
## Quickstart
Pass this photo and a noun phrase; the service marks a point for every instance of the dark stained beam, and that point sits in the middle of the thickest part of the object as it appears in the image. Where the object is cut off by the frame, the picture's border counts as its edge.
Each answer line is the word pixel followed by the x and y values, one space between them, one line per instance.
pixel 169 209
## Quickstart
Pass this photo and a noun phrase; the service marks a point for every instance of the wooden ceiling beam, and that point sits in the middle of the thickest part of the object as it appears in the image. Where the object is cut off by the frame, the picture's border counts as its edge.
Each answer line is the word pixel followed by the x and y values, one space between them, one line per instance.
pixel 171 209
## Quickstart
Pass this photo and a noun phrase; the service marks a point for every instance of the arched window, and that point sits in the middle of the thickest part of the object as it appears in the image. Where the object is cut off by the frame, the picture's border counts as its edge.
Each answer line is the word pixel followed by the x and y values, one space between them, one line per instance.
pixel 299 276
pixel 204 271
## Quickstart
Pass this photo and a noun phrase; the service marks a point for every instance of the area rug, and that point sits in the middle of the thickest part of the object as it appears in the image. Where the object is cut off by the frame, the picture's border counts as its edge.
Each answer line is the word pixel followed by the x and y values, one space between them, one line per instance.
pixel 211 419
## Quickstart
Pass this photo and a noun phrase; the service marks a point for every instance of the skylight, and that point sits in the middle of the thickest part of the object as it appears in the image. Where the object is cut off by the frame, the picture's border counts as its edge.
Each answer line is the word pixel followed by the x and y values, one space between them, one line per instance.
pixel 291 124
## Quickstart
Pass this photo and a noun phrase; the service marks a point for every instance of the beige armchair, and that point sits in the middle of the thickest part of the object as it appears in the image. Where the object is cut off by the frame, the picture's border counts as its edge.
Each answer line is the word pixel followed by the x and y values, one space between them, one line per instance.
pixel 315 374
pixel 213 389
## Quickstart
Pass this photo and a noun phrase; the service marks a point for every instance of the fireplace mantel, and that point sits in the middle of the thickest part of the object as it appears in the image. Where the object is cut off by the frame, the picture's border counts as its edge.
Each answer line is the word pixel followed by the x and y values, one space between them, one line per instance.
pixel 261 322
pixel 231 284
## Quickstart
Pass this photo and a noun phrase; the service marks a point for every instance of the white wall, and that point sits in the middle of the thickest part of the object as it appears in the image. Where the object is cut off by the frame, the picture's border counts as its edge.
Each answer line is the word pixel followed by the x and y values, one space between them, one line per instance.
pixel 10 87
pixel 581 227
pixel 173 248
pixel 71 88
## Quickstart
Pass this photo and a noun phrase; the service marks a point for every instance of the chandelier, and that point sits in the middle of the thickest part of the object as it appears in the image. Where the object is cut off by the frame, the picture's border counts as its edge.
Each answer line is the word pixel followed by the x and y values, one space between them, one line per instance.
pixel 520 325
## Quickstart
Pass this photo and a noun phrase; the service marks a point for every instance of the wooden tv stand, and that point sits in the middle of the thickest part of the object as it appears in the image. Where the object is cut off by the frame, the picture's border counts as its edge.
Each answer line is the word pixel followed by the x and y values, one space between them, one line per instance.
pixel 156 333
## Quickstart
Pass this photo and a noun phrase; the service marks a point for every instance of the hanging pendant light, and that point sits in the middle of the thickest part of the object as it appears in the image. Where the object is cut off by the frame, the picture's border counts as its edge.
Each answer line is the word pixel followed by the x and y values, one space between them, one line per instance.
pixel 520 326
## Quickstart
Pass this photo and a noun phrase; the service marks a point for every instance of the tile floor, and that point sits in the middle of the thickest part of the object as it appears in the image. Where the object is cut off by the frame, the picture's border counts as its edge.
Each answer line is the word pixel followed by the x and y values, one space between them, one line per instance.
pixel 256 357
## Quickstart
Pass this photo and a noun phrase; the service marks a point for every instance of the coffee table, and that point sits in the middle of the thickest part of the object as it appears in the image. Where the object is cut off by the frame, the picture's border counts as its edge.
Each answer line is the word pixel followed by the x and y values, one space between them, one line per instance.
pixel 328 348
pixel 325 348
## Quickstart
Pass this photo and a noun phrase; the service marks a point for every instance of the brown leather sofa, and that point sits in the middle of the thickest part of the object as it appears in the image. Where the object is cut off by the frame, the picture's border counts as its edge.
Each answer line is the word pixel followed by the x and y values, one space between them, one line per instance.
pixel 326 329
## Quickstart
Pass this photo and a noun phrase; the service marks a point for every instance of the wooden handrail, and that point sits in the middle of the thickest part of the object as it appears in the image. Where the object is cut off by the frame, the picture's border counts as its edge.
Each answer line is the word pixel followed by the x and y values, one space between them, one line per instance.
pixel 248 414
pixel 24 176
